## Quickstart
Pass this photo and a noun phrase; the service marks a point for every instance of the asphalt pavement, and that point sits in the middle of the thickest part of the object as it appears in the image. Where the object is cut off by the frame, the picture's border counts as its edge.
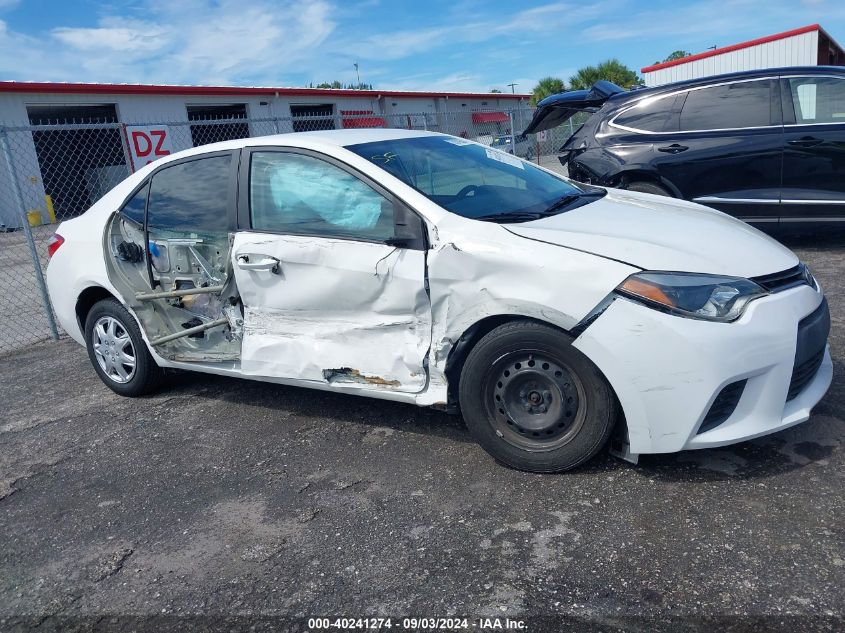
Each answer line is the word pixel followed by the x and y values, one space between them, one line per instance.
pixel 234 504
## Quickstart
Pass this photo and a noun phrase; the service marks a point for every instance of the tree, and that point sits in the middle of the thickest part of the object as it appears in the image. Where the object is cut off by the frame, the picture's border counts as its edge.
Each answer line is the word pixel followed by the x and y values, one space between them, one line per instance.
pixel 545 87
pixel 495 91
pixel 676 55
pixel 610 70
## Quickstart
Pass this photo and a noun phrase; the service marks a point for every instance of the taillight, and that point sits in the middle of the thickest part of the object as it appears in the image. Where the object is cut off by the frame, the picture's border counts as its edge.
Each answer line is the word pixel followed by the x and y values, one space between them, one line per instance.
pixel 54 243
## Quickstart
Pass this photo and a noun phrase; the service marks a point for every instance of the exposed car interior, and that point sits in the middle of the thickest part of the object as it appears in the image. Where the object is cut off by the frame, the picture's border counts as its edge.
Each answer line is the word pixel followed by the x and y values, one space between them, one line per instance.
pixel 178 276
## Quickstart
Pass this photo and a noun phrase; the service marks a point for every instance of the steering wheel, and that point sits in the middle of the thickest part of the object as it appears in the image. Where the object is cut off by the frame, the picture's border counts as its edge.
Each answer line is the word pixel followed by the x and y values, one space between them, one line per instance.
pixel 463 193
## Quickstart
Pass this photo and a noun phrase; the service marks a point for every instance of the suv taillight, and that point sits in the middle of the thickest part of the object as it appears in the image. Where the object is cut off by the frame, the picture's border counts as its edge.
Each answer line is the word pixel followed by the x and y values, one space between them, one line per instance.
pixel 54 243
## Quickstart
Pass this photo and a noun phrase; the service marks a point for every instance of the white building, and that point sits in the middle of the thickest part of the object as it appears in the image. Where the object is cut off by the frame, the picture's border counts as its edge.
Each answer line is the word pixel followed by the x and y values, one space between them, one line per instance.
pixel 807 46
pixel 71 142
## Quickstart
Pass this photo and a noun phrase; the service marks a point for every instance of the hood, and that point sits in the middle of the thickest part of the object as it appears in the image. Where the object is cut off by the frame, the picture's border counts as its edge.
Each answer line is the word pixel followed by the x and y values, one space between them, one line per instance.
pixel 656 233
pixel 559 108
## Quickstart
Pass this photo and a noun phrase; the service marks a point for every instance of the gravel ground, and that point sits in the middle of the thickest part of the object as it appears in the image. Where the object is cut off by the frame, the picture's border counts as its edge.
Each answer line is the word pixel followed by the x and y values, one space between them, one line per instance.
pixel 268 505
pixel 22 317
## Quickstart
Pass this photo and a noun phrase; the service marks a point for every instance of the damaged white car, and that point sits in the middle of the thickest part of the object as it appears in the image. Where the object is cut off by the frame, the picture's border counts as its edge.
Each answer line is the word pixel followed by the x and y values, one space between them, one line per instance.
pixel 433 270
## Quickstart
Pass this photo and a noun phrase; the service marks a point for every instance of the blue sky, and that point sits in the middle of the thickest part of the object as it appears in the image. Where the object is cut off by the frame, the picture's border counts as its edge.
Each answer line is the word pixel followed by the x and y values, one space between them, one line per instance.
pixel 468 45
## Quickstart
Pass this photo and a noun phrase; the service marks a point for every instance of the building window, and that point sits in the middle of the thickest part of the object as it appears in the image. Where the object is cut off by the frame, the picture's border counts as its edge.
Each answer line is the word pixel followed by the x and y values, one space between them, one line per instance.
pixel 217 122
pixel 81 161
pixel 312 117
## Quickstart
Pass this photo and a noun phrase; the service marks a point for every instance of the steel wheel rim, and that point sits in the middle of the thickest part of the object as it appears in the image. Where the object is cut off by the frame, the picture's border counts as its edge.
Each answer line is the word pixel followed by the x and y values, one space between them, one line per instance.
pixel 535 402
pixel 113 349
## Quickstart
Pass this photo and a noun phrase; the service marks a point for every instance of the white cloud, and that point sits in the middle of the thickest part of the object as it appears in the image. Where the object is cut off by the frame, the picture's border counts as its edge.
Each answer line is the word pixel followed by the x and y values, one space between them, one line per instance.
pixel 195 41
pixel 732 21
pixel 462 46
pixel 464 27
pixel 119 36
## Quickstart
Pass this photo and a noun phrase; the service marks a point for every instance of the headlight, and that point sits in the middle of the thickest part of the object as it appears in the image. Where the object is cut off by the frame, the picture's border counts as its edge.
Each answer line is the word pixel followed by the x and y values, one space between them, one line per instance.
pixel 710 297
pixel 808 277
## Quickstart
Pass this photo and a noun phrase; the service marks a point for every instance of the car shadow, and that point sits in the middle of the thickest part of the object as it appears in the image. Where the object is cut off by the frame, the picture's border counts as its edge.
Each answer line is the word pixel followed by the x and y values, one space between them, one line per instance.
pixel 325 405
pixel 812 442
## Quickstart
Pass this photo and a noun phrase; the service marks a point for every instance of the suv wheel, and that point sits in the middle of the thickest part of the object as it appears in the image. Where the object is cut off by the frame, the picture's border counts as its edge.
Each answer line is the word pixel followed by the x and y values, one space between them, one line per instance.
pixel 643 186
pixel 118 351
pixel 533 401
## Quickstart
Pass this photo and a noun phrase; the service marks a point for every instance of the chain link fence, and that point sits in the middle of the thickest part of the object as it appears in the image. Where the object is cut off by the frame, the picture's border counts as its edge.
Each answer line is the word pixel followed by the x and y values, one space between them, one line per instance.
pixel 55 170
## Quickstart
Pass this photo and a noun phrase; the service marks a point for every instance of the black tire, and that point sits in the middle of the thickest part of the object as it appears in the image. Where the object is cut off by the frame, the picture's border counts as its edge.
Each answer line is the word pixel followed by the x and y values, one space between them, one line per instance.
pixel 533 401
pixel 145 376
pixel 643 186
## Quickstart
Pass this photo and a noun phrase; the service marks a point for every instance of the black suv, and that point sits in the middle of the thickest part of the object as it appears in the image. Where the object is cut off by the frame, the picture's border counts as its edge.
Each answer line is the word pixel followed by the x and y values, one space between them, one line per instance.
pixel 766 146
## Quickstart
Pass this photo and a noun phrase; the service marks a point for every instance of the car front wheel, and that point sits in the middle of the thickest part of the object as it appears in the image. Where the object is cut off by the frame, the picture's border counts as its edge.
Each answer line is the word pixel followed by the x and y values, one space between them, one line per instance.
pixel 117 350
pixel 533 401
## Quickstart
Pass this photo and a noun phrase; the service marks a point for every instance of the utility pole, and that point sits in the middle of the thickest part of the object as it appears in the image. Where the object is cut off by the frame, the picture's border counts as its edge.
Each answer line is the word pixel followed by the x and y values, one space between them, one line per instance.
pixel 357 74
pixel 513 90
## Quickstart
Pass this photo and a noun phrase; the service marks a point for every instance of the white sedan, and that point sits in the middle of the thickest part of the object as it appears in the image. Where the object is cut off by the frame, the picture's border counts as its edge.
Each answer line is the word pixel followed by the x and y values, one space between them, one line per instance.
pixel 424 268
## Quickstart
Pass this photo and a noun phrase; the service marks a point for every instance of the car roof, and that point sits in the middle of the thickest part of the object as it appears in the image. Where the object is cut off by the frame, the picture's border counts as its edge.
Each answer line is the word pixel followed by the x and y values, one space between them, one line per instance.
pixel 324 138
pixel 715 79
pixel 337 138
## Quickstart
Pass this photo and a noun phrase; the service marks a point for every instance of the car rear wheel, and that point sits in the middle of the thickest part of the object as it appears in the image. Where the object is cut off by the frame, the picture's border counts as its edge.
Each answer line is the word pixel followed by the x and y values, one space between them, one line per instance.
pixel 644 186
pixel 533 401
pixel 118 351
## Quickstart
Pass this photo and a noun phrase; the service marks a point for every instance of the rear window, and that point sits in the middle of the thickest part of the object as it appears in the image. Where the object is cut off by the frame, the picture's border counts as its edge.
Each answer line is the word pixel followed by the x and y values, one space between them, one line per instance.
pixel 191 196
pixel 730 106
pixel 650 115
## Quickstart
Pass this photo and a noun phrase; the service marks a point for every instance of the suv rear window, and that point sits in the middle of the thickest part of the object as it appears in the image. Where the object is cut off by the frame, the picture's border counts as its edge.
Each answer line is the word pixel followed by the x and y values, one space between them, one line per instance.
pixel 647 116
pixel 729 106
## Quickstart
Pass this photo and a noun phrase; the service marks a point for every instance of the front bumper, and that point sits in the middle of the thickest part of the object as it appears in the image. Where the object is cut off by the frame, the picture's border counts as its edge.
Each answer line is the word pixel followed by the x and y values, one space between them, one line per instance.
pixel 667 370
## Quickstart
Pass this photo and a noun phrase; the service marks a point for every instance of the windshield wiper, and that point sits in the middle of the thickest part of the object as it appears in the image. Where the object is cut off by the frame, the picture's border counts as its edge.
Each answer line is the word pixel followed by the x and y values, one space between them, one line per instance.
pixel 515 216
pixel 556 207
pixel 569 198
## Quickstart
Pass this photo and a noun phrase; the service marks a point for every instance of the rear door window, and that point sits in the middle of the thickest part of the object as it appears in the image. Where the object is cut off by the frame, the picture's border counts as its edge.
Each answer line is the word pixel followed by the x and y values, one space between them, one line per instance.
pixel 192 196
pixel 650 115
pixel 742 104
pixel 818 99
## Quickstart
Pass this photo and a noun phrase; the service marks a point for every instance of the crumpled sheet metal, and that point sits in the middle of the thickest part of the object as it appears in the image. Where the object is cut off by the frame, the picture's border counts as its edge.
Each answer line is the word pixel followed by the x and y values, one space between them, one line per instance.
pixel 345 312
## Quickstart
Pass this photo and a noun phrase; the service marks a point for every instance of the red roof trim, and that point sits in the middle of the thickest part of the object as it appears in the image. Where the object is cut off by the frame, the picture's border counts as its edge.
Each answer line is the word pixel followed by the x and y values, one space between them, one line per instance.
pixel 146 89
pixel 735 47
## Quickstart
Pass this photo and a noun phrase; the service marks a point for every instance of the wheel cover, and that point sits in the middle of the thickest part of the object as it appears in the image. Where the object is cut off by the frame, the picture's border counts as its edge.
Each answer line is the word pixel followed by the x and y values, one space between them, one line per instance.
pixel 113 349
pixel 535 402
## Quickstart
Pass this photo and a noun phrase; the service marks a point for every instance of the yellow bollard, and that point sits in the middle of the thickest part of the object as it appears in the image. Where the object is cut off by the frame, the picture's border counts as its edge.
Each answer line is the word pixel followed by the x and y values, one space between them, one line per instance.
pixel 34 217
pixel 51 212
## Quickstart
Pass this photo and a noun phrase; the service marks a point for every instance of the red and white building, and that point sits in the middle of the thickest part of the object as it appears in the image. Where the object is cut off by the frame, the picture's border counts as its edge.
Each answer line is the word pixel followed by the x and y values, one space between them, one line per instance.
pixel 807 46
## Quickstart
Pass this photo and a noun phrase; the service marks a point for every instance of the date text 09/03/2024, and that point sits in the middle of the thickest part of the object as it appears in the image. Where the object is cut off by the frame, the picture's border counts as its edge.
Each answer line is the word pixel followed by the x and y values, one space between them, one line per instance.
pixel 416 624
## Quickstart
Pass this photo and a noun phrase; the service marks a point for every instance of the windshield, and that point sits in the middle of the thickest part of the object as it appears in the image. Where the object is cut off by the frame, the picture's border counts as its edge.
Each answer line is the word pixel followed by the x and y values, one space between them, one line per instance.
pixel 471 180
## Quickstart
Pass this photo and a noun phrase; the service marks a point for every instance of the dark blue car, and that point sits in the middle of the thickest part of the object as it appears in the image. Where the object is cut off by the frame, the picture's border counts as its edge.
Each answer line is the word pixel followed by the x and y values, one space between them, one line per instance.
pixel 766 146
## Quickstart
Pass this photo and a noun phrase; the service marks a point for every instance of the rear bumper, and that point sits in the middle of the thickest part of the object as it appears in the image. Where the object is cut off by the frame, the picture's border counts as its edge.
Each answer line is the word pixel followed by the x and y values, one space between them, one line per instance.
pixel 667 370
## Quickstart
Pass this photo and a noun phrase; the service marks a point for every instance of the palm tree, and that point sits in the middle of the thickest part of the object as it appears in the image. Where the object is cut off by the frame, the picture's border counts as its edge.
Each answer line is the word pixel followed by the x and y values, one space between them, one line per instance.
pixel 610 70
pixel 545 87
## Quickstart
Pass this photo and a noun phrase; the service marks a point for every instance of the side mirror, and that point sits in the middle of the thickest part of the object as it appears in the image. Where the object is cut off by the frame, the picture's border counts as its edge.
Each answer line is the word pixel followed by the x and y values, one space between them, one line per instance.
pixel 409 229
